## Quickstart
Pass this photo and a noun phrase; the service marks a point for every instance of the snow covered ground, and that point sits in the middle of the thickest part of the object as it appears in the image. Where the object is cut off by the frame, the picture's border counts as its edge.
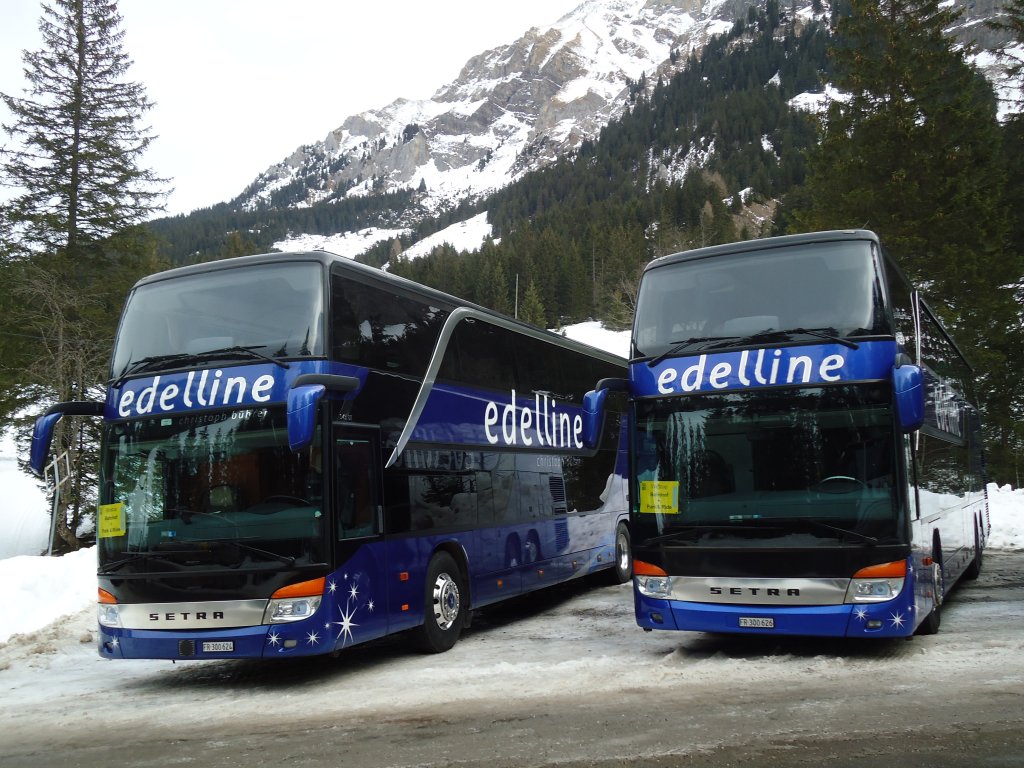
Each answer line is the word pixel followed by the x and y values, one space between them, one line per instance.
pixel 30 601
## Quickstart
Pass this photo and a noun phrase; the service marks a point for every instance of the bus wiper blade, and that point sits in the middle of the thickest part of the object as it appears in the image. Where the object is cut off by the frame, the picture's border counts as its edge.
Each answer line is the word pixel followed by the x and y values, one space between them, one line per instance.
pixel 165 361
pixel 679 346
pixel 144 363
pixel 825 333
pixel 249 351
pixel 257 551
pixel 781 522
pixel 786 334
pixel 677 532
pixel 844 532
pixel 130 557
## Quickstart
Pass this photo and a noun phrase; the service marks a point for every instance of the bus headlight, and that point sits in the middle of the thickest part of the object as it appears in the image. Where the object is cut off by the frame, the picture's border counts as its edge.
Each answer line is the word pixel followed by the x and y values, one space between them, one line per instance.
pixel 877 583
pixel 295 602
pixel 292 609
pixel 107 612
pixel 654 586
pixel 651 580
pixel 873 590
pixel 109 616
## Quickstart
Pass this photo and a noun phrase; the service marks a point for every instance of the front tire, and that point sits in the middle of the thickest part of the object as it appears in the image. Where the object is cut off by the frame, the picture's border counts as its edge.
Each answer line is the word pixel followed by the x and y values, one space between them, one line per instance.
pixel 623 570
pixel 445 605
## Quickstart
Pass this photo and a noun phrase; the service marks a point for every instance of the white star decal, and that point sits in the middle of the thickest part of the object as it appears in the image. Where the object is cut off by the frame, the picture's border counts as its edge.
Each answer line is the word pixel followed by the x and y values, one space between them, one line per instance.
pixel 312 638
pixel 861 613
pixel 897 620
pixel 346 624
pixel 273 638
pixel 369 606
pixel 353 591
pixel 114 643
pixel 332 587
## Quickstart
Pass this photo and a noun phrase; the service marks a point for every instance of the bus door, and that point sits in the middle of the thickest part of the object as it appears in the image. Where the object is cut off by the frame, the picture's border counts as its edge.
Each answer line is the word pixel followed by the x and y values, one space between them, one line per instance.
pixel 358 587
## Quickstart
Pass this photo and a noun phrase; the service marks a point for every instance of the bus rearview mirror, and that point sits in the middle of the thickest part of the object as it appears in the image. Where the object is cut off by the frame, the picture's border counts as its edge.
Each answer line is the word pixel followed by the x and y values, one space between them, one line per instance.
pixel 908 389
pixel 593 417
pixel 42 432
pixel 42 436
pixel 593 409
pixel 302 414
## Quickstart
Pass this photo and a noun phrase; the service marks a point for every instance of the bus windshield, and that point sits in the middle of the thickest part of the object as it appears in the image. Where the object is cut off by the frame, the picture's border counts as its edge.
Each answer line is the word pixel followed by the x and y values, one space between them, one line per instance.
pixel 208 490
pixel 832 287
pixel 273 309
pixel 813 463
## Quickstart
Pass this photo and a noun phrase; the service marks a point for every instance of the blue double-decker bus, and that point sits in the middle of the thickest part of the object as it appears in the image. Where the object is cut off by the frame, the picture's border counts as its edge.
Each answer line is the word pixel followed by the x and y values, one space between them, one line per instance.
pixel 806 458
pixel 300 453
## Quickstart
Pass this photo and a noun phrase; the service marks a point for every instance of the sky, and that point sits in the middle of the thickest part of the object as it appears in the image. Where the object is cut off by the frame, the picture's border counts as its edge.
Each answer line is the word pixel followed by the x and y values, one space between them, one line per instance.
pixel 240 84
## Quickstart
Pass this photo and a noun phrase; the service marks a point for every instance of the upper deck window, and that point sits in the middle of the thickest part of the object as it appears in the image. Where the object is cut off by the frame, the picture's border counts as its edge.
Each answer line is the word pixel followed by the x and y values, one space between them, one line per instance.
pixel 378 327
pixel 832 287
pixel 277 309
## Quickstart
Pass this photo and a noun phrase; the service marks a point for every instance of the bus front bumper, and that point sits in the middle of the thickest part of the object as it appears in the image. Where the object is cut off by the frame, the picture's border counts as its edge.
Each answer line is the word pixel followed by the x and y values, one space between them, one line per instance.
pixel 893 618
pixel 256 642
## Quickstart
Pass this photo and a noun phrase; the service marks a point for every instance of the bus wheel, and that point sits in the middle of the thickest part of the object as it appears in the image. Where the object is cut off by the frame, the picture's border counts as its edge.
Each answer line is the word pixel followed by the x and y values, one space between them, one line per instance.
pixel 930 625
pixel 445 605
pixel 623 555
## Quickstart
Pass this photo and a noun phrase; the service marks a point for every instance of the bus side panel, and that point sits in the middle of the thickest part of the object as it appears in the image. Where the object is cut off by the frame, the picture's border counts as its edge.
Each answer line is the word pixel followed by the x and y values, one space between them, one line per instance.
pixel 356 606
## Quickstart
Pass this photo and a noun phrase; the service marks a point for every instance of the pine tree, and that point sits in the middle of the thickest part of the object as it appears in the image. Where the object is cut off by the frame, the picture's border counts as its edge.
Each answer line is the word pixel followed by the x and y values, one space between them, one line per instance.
pixel 531 308
pixel 78 141
pixel 71 244
pixel 915 154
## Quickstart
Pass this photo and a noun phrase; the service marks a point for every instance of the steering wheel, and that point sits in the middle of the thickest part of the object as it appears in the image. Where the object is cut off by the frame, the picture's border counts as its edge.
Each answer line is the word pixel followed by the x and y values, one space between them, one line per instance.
pixel 284 498
pixel 832 479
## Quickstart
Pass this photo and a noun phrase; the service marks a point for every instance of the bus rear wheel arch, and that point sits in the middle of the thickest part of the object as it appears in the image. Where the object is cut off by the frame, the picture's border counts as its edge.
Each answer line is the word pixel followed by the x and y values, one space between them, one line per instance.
pixel 446 604
pixel 623 570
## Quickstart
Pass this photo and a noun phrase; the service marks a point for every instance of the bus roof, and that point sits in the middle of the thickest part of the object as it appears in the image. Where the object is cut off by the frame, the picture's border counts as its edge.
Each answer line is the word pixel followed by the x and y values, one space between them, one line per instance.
pixel 763 244
pixel 329 259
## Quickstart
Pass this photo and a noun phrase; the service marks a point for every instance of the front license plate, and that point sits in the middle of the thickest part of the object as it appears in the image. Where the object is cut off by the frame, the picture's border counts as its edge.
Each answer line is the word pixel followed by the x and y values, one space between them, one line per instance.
pixel 219 647
pixel 757 622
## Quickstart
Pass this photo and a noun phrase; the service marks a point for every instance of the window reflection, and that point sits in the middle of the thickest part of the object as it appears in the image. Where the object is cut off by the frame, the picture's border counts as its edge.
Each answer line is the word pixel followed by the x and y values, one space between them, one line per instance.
pixel 182 483
pixel 815 453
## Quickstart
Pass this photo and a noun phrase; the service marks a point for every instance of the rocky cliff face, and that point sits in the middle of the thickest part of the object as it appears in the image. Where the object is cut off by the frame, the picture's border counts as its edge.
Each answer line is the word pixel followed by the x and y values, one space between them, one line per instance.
pixel 514 108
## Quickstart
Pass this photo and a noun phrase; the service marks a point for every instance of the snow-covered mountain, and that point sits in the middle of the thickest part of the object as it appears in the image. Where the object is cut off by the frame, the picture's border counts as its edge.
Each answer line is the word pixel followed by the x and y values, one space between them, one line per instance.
pixel 512 108
pixel 515 108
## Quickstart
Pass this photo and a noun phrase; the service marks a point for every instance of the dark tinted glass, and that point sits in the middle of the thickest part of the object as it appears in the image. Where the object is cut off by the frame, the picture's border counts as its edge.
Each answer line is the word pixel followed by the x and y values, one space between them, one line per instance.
pixel 378 327
pixel 275 308
pixel 824 286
